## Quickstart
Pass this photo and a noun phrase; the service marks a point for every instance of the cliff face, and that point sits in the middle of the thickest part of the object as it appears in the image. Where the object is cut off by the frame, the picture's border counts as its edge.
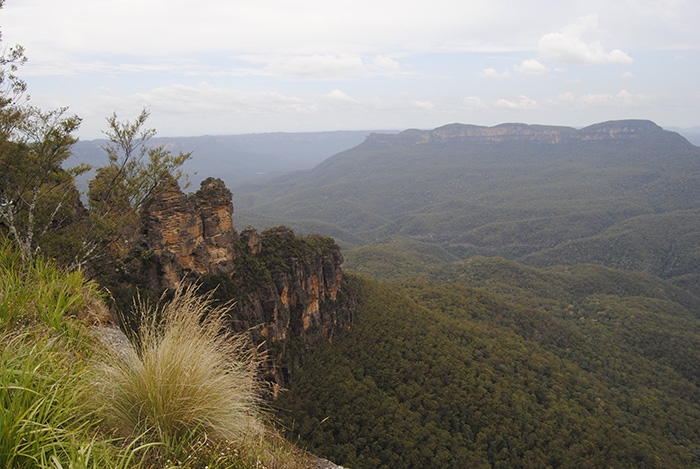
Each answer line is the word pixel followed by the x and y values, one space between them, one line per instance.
pixel 298 301
pixel 190 235
pixel 286 289
pixel 606 131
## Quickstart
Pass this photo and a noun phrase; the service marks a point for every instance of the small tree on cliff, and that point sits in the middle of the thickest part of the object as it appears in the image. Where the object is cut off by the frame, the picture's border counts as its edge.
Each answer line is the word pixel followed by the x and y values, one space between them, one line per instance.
pixel 134 172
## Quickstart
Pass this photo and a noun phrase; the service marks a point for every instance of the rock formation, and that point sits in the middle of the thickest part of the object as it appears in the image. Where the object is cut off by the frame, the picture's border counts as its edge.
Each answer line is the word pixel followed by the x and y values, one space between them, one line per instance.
pixel 286 289
pixel 298 300
pixel 190 235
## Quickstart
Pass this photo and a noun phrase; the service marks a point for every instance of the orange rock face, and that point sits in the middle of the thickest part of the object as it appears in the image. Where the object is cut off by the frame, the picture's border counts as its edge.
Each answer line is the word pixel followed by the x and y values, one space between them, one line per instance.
pixel 288 286
pixel 191 234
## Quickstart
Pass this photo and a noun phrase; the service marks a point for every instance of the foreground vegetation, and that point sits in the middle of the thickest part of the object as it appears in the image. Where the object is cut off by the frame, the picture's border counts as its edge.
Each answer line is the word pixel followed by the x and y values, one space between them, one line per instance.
pixel 183 396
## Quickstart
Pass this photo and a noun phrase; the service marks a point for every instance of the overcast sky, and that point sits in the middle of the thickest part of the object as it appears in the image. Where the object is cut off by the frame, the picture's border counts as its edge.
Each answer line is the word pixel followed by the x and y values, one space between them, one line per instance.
pixel 243 66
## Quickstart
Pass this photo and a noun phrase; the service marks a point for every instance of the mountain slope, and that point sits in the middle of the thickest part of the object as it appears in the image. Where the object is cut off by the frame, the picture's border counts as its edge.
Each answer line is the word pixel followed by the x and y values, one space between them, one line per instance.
pixel 531 193
pixel 445 375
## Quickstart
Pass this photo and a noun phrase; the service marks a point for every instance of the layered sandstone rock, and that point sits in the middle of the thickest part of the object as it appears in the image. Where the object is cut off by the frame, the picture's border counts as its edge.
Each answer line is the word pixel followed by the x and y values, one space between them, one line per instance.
pixel 191 235
pixel 286 289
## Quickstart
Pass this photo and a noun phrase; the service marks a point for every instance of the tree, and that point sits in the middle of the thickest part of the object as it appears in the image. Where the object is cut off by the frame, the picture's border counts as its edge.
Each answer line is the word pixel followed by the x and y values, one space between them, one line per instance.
pixel 134 173
pixel 135 170
pixel 36 194
pixel 12 88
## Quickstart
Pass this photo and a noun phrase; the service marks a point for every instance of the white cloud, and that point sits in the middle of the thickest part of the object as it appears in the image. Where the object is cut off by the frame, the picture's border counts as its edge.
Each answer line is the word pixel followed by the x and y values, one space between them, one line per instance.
pixel 474 103
pixel 205 97
pixel 325 66
pixel 627 75
pixel 385 64
pixel 317 66
pixel 338 95
pixel 622 98
pixel 424 105
pixel 492 73
pixel 568 46
pixel 160 29
pixel 531 67
pixel 522 102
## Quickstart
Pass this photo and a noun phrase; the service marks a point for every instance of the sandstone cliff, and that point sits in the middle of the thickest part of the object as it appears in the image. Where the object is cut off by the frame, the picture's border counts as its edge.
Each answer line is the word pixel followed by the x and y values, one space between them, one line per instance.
pixel 190 235
pixel 286 289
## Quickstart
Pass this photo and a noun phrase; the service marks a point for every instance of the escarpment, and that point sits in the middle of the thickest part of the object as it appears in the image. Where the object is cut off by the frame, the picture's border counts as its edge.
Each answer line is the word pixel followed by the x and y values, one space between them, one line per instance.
pixel 285 289
pixel 626 130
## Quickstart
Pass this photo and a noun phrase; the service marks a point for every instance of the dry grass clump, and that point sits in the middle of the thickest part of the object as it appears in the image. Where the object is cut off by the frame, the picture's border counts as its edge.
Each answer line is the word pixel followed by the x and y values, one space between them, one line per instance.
pixel 184 379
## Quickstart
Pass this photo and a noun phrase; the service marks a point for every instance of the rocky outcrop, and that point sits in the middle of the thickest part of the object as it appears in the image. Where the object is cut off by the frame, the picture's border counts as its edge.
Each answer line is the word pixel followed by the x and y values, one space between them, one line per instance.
pixel 286 289
pixel 252 240
pixel 190 236
pixel 288 292
pixel 214 207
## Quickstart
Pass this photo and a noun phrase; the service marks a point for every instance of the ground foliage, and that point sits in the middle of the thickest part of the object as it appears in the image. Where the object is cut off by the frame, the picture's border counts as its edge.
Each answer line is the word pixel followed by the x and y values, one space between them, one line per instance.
pixel 438 374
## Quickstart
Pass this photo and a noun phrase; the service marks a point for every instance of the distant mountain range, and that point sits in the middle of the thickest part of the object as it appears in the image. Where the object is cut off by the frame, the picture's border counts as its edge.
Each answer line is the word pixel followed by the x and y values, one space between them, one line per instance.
pixel 238 159
pixel 625 194
pixel 241 158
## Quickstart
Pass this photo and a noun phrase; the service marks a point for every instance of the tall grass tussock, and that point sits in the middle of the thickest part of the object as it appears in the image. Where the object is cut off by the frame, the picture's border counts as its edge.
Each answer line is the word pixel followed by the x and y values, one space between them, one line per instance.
pixel 183 376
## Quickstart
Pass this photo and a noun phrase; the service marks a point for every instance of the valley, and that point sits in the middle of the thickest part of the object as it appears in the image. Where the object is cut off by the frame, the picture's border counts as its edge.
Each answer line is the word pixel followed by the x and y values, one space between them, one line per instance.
pixel 538 304
pixel 509 296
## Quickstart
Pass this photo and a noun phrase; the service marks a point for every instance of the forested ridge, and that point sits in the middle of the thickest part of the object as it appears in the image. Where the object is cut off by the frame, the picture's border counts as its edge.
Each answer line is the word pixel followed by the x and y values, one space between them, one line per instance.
pixel 449 375
pixel 538 307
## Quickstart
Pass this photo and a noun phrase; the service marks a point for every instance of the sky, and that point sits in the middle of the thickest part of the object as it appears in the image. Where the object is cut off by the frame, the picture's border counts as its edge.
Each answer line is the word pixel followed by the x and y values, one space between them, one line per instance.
pixel 212 67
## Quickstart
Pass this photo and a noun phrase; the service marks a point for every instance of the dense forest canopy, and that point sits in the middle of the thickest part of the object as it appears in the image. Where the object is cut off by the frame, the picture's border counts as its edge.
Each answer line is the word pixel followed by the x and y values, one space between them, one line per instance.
pixel 444 374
